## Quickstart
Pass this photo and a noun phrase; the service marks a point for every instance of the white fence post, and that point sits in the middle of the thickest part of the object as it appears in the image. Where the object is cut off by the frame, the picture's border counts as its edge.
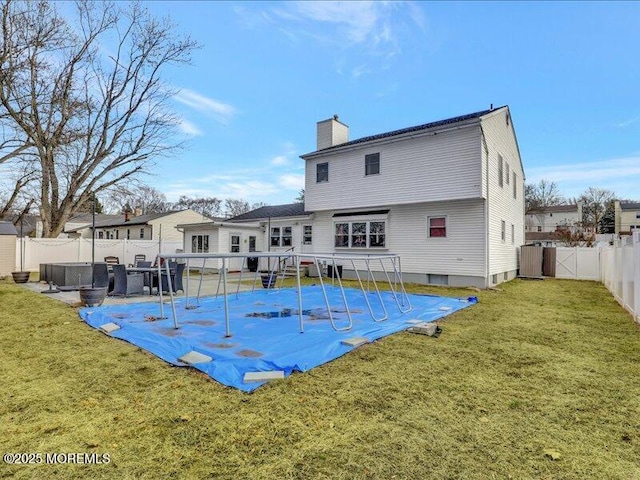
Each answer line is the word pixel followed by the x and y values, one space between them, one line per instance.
pixel 636 276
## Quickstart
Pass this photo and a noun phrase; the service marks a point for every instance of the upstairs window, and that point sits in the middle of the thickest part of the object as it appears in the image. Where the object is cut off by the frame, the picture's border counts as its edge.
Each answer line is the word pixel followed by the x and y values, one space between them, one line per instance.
pixel 142 233
pixel 503 231
pixel 515 188
pixel 372 164
pixel 506 173
pixel 322 172
pixel 513 233
pixel 500 171
pixel 437 227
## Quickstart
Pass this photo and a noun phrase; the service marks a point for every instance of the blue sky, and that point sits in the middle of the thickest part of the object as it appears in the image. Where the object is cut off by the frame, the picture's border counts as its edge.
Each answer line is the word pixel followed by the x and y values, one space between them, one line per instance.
pixel 268 71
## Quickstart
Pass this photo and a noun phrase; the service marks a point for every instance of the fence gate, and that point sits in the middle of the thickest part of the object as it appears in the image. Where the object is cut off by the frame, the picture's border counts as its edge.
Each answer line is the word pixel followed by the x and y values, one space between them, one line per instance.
pixel 566 263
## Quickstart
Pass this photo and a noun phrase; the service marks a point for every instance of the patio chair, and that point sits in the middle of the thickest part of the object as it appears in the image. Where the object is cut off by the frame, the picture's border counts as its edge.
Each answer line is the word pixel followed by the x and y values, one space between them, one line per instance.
pixel 140 257
pixel 111 260
pixel 176 278
pixel 126 284
pixel 143 264
pixel 101 277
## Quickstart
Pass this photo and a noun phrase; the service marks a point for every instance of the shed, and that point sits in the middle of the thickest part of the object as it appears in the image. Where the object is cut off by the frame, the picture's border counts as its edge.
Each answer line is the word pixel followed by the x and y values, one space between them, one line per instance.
pixel 8 236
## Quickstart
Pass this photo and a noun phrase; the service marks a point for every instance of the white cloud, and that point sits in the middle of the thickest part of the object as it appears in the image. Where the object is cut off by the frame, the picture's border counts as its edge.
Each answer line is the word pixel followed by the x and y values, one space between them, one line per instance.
pixel 189 128
pixel 279 160
pixel 221 111
pixel 622 175
pixel 292 181
pixel 626 123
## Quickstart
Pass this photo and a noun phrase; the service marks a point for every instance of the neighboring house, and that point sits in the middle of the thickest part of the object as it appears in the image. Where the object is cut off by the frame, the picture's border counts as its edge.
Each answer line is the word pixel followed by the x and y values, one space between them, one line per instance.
pixel 446 196
pixel 277 228
pixel 627 217
pixel 554 218
pixel 142 227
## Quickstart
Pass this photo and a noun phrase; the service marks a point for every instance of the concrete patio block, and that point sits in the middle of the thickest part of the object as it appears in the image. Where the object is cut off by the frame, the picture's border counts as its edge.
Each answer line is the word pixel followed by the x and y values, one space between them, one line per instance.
pixel 194 357
pixel 355 341
pixel 252 377
pixel 109 327
pixel 424 328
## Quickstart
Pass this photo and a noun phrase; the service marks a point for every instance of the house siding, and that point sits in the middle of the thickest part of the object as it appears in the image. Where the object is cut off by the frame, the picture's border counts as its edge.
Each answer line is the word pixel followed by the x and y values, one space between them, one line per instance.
pixel 461 253
pixel 500 141
pixel 169 222
pixel 435 167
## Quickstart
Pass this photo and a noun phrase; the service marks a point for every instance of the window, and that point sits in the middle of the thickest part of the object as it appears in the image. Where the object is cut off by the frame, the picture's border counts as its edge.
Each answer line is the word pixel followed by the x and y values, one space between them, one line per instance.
pixel 539 228
pixel 637 214
pixel 307 234
pixel 235 243
pixel 252 243
pixel 360 234
pixel 322 172
pixel 515 189
pixel 117 234
pixel 506 173
pixel 100 234
pixel 437 227
pixel 342 235
pixel 513 233
pixel 376 234
pixel 503 228
pixel 372 164
pixel 275 236
pixel 200 244
pixel 500 170
pixel 281 236
pixel 142 233
pixel 128 233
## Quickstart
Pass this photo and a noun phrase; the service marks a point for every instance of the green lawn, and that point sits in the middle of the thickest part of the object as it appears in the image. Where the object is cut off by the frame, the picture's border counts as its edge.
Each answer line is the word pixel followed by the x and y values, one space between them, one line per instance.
pixel 541 379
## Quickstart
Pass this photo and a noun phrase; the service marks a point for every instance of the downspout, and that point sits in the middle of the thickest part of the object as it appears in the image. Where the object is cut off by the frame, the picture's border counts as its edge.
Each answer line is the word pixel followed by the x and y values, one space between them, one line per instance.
pixel 486 208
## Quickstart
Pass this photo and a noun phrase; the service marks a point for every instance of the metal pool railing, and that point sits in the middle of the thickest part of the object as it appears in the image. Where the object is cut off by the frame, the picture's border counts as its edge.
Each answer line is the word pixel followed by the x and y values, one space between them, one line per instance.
pixel 389 272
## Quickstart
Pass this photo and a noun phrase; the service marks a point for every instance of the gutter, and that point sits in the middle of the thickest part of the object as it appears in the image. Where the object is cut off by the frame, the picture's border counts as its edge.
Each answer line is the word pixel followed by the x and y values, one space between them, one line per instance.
pixel 486 207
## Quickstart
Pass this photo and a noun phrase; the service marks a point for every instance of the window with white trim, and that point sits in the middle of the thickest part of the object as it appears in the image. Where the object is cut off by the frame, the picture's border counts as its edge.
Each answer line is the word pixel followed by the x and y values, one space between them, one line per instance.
pixel 513 233
pixel 322 172
pixel 500 170
pixel 235 244
pixel 437 227
pixel 372 164
pixel 281 236
pixel 142 233
pixel 307 234
pixel 200 244
pixel 360 234
pixel 503 230
pixel 515 188
pixel 506 173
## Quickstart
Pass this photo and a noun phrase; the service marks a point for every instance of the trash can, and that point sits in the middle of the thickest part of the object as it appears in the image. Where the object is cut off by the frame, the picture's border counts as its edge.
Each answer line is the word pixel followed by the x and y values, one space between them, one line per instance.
pixel 334 274
pixel 252 264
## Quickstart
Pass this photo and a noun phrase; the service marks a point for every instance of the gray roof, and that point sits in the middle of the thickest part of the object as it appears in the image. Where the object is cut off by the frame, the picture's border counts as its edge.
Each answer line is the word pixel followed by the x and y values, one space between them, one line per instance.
pixel 572 207
pixel 630 206
pixel 417 128
pixel 119 221
pixel 272 211
pixel 7 228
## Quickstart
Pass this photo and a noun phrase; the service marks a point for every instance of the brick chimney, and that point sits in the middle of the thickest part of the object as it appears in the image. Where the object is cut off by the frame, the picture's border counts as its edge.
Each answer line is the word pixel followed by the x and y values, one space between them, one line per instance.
pixel 127 214
pixel 332 132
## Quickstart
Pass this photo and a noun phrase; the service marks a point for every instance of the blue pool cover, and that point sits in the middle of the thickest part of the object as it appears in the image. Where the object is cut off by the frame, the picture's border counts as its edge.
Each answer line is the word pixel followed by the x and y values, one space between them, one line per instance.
pixel 264 327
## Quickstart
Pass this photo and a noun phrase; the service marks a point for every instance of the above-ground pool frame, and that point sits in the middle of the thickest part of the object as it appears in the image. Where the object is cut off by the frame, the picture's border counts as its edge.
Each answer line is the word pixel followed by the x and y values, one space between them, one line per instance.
pixel 359 262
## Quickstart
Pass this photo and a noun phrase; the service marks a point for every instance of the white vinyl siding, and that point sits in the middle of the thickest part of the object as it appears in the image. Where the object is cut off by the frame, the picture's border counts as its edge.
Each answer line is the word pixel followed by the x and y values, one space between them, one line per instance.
pixel 502 206
pixel 426 168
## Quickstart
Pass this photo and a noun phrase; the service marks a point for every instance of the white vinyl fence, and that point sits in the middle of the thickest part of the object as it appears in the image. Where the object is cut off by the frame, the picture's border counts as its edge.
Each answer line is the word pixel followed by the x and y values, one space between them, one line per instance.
pixel 578 263
pixel 620 272
pixel 60 250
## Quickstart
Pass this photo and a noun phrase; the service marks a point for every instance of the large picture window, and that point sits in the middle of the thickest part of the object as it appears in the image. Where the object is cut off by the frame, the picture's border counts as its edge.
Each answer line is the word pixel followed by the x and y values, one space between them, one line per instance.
pixel 437 227
pixel 360 234
pixel 200 244
pixel 322 172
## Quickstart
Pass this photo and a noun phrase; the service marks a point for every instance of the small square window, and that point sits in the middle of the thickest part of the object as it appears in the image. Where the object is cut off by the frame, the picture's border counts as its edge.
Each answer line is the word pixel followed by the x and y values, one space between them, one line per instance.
pixel 539 228
pixel 372 164
pixel 437 227
pixel 322 172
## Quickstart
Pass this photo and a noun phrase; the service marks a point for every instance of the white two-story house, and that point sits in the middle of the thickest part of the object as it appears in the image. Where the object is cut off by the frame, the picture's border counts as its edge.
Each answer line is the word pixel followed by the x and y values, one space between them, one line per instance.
pixel 446 196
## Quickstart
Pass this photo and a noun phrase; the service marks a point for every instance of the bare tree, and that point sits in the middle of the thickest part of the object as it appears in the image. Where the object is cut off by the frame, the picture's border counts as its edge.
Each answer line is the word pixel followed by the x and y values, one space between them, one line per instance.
pixel 91 120
pixel 300 197
pixel 541 195
pixel 234 207
pixel 207 206
pixel 139 196
pixel 595 201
